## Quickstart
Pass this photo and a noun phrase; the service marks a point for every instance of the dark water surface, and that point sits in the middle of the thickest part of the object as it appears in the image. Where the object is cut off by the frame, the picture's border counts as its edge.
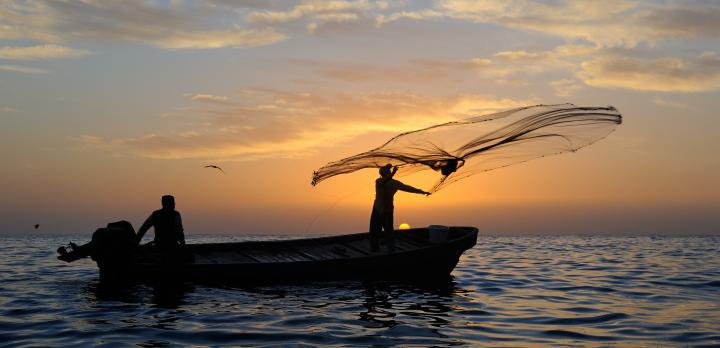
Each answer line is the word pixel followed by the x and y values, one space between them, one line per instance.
pixel 507 291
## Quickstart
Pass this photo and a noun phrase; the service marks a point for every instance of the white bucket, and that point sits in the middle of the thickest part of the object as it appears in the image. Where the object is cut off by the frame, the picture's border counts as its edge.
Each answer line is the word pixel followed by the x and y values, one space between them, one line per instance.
pixel 438 234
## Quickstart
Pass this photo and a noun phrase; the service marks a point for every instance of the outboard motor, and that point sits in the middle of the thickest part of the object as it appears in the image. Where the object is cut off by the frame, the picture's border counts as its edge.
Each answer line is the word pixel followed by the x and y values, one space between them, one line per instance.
pixel 111 247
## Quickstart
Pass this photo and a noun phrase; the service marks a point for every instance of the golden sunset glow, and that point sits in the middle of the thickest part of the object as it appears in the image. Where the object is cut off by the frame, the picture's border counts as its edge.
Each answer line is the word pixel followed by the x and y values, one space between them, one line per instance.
pixel 98 120
pixel 404 226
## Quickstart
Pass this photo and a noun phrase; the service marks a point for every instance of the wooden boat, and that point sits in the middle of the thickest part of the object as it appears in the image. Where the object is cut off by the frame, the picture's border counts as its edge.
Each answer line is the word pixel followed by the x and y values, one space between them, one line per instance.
pixel 419 254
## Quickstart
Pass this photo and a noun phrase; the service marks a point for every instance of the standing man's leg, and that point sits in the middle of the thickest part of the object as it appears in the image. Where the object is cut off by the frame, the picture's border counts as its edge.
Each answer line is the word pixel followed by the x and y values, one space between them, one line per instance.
pixel 387 223
pixel 375 230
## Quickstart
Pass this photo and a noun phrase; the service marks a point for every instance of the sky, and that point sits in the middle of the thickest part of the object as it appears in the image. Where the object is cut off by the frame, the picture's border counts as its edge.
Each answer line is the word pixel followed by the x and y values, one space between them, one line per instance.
pixel 107 105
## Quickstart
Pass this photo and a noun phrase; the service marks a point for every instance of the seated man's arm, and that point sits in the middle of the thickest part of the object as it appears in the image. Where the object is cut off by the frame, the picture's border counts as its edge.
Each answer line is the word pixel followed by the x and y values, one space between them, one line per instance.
pixel 181 231
pixel 145 226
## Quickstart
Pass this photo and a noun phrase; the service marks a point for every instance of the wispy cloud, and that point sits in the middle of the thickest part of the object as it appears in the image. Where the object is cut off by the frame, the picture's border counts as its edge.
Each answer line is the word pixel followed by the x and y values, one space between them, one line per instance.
pixel 672 104
pixel 7 110
pixel 418 71
pixel 177 25
pixel 273 123
pixel 50 51
pixel 308 8
pixel 605 23
pixel 666 74
pixel 237 38
pixel 502 66
pixel 22 69
pixel 209 98
pixel 216 23
pixel 565 87
pixel 87 139
pixel 584 66
pixel 321 14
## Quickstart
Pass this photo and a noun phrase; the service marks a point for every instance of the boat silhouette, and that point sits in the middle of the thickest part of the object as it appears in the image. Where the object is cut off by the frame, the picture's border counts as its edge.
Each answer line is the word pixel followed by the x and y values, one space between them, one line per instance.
pixel 420 253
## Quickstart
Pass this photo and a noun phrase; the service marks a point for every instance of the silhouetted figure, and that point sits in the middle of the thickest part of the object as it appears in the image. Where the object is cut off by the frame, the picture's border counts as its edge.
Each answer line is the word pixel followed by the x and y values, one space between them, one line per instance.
pixel 37 226
pixel 216 167
pixel 167 223
pixel 382 212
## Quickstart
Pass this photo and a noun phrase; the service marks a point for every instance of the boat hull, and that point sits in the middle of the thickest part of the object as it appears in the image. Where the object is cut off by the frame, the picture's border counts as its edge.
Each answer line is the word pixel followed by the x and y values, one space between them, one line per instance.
pixel 307 259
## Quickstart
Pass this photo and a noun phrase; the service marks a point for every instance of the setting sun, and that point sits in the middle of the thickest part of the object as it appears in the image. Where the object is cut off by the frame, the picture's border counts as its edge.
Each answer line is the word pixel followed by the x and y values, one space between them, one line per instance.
pixel 404 226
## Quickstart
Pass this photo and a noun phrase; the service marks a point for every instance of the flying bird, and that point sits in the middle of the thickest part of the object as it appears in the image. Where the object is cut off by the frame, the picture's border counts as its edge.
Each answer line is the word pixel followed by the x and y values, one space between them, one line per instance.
pixel 37 226
pixel 216 167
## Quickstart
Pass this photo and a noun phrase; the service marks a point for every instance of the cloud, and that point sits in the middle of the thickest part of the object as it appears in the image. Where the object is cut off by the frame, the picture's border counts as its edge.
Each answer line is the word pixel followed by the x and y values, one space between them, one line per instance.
pixel 504 66
pixel 176 25
pixel 524 62
pixel 270 123
pixel 574 50
pixel 309 8
pixel 683 20
pixel 589 65
pixel 209 98
pixel 667 74
pixel 509 63
pixel 594 21
pixel 50 51
pixel 218 39
pixel 383 19
pixel 565 87
pixel 512 82
pixel 88 139
pixel 323 15
pixel 672 104
pixel 330 20
pixel 6 109
pixel 220 23
pixel 500 67
pixel 22 69
pixel 604 23
pixel 314 10
pixel 425 70
pixel 353 72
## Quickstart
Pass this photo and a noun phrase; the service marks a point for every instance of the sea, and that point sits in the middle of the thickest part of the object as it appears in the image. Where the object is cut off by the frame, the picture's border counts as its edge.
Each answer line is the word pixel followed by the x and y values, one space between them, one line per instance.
pixel 540 291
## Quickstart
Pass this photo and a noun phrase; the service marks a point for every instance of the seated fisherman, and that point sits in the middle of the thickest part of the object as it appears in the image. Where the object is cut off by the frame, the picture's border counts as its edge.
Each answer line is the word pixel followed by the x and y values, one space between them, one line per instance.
pixel 167 224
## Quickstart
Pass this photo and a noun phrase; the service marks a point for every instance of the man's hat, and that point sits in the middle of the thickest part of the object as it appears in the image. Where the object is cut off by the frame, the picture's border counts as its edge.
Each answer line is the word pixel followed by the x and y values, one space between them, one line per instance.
pixel 385 170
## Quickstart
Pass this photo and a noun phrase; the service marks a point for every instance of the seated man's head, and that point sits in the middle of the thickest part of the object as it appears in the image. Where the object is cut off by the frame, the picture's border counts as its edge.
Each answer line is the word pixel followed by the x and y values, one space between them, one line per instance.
pixel 385 171
pixel 168 202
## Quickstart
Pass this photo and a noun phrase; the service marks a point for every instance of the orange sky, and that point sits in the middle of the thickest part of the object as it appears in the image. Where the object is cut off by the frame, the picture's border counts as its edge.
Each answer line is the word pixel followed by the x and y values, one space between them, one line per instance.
pixel 104 107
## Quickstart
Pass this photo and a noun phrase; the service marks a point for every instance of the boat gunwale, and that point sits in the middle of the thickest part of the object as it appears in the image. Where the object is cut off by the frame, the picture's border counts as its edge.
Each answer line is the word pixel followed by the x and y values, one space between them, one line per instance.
pixel 470 232
pixel 326 239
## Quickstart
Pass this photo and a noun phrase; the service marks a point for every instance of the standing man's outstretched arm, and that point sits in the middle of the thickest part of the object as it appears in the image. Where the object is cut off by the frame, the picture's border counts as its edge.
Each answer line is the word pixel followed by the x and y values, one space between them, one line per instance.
pixel 408 188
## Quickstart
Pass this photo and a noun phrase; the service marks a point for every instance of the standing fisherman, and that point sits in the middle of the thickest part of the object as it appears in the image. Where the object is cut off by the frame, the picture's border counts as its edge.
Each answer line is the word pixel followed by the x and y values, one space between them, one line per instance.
pixel 382 212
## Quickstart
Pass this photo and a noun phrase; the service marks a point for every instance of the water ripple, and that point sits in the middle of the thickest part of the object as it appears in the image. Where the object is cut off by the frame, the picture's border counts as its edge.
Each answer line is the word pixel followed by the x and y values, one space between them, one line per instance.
pixel 517 291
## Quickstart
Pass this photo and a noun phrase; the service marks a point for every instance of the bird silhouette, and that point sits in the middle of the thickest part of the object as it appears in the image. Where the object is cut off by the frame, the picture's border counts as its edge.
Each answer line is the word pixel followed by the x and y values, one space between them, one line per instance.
pixel 37 226
pixel 216 167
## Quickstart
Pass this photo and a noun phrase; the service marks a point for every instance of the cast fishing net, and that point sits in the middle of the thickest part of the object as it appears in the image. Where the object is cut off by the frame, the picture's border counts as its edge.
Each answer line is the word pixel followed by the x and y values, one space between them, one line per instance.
pixel 458 149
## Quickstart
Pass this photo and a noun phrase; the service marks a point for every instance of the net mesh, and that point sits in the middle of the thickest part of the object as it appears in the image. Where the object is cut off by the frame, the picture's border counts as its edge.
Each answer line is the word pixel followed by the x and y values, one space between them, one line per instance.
pixel 459 149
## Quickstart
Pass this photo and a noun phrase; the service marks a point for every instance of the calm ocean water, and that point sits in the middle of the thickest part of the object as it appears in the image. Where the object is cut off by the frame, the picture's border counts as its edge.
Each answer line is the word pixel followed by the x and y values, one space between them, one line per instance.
pixel 507 291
